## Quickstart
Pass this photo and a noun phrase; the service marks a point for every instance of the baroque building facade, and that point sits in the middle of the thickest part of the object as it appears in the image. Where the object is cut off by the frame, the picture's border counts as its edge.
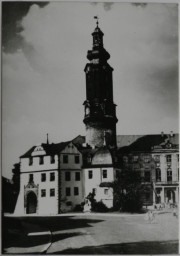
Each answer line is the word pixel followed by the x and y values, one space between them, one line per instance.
pixel 57 177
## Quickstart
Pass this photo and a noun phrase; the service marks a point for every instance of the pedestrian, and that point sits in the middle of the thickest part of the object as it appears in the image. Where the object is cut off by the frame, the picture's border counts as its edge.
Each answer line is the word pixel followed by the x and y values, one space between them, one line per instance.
pixel 151 216
pixel 147 216
pixel 174 212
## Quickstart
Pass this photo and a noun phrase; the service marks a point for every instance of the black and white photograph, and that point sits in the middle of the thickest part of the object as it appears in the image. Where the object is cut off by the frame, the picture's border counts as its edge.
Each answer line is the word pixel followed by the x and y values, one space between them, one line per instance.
pixel 90 128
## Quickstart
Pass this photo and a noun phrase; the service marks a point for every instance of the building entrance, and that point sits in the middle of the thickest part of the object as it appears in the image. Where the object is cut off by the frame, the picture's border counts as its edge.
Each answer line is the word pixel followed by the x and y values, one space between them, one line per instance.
pixel 170 196
pixel 31 203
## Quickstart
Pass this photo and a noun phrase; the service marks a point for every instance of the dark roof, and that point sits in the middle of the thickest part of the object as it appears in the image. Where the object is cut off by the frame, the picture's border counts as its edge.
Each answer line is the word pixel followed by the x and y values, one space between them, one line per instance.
pixel 50 149
pixel 146 142
pixel 125 144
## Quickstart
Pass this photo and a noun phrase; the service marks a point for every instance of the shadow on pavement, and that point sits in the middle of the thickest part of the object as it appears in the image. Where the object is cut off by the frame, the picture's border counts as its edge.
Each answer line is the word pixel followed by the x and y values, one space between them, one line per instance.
pixel 15 230
pixel 60 223
pixel 144 247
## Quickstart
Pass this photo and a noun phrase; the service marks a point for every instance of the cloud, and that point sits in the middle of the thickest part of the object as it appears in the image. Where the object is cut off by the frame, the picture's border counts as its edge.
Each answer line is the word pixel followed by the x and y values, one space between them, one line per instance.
pixel 44 82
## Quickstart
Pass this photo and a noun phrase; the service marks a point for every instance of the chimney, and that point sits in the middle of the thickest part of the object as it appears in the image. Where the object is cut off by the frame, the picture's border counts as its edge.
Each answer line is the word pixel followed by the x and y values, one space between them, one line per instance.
pixel 162 134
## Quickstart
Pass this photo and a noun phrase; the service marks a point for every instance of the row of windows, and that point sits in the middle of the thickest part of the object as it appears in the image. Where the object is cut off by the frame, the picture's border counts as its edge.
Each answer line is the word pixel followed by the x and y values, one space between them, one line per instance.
pixel 43 177
pixel 41 160
pixel 51 192
pixel 66 159
pixel 68 176
pixel 104 174
pixel 68 191
pixel 52 159
pixel 51 178
pixel 147 158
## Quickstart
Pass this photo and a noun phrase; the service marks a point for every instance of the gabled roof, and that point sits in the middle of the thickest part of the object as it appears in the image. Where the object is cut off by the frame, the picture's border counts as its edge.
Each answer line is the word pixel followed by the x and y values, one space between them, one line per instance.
pixel 50 149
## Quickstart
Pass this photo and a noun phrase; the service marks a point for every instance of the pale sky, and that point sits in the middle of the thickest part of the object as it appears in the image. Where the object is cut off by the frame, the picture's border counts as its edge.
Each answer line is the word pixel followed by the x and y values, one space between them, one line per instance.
pixel 43 79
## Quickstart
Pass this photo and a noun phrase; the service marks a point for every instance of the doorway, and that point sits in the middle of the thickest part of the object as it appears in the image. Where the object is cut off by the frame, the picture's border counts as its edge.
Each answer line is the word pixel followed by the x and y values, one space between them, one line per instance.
pixel 31 203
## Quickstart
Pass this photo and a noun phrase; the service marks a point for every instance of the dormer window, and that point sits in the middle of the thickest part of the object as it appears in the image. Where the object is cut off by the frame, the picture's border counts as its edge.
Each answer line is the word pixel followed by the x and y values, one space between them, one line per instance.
pixel 30 161
pixel 41 160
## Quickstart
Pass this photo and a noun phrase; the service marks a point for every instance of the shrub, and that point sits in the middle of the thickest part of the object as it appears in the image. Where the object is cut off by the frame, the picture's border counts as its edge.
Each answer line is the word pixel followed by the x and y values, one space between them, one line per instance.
pixel 99 207
pixel 78 208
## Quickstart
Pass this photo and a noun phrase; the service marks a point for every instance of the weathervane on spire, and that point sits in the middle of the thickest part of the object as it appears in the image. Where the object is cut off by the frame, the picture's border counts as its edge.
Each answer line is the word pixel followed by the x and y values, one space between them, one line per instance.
pixel 96 18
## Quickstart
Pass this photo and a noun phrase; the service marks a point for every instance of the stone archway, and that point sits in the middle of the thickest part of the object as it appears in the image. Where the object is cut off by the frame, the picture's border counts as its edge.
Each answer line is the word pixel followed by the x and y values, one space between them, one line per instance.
pixel 31 203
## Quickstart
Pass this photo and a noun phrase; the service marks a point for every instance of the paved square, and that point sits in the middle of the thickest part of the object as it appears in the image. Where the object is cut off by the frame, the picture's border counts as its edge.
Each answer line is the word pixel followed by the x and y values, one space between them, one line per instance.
pixel 130 234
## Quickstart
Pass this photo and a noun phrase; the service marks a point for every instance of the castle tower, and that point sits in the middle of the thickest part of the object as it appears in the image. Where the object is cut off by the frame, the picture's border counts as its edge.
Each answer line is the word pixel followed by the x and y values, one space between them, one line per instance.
pixel 100 111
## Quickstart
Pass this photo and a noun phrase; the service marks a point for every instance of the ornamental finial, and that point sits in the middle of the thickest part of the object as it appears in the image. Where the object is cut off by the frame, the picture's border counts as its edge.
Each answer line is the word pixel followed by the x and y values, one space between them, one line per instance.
pixel 97 22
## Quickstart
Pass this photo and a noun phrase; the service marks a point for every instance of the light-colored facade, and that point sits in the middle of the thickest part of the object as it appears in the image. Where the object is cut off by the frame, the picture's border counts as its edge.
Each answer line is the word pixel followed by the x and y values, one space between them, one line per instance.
pixel 166 180
pixel 43 187
pixel 158 166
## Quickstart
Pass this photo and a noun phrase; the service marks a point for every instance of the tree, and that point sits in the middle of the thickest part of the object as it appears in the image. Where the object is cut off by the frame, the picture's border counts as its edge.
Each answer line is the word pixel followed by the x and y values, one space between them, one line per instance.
pixel 127 191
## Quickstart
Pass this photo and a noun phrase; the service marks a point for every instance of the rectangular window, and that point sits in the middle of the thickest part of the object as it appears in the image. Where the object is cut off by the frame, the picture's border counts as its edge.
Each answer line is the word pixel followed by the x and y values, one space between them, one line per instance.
pixel 169 174
pixel 31 177
pixel 53 159
pixel 178 157
pixel 76 191
pixel 125 159
pixel 52 176
pixel 67 176
pixel 146 159
pixel 106 191
pixel 168 158
pixel 77 176
pixel 157 158
pixel 147 176
pixel 30 161
pixel 65 159
pixel 43 177
pixel 68 191
pixel 104 174
pixel 90 174
pixel 52 192
pixel 43 192
pixel 158 175
pixel 135 158
pixel 41 160
pixel 76 159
